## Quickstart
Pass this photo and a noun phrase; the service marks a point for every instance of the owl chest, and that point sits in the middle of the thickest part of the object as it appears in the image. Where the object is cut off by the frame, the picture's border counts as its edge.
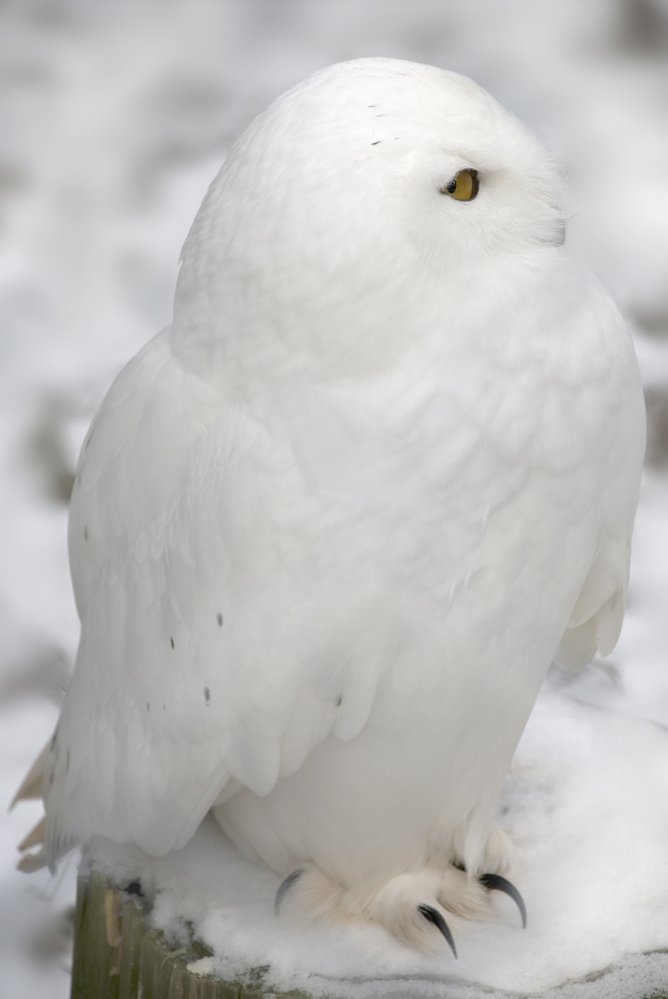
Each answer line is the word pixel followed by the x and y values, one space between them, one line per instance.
pixel 436 479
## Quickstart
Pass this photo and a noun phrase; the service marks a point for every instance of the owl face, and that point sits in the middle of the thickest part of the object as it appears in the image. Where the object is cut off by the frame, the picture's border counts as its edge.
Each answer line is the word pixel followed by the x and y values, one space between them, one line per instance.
pixel 362 140
pixel 372 178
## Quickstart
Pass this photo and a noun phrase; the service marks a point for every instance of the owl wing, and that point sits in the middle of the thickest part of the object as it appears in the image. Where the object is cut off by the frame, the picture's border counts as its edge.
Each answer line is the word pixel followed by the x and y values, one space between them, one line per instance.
pixel 194 672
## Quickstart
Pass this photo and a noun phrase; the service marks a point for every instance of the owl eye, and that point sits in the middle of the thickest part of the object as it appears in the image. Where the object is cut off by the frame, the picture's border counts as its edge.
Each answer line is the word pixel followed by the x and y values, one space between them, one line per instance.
pixel 463 186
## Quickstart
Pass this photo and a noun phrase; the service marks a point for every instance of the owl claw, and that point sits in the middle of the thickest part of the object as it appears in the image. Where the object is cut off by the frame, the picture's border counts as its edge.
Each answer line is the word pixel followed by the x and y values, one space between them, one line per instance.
pixel 285 887
pixel 495 882
pixel 134 888
pixel 434 916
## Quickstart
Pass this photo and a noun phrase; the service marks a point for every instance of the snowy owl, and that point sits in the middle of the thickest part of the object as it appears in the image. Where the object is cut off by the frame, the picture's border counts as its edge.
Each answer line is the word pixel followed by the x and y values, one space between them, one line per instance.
pixel 330 528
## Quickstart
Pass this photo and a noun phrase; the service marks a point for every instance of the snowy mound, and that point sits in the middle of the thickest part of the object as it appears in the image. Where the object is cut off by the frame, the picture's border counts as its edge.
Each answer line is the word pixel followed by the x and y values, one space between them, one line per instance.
pixel 587 805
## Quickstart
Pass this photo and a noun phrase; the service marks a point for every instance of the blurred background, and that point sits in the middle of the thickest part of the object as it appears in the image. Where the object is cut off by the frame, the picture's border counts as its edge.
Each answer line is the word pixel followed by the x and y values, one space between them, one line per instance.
pixel 113 119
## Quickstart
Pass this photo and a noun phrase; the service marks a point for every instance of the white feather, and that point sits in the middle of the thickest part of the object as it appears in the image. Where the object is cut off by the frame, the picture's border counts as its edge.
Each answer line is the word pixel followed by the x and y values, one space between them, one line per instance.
pixel 331 527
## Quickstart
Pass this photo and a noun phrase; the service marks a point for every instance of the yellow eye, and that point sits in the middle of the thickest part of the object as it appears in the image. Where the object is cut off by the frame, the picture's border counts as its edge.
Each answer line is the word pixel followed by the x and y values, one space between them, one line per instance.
pixel 463 186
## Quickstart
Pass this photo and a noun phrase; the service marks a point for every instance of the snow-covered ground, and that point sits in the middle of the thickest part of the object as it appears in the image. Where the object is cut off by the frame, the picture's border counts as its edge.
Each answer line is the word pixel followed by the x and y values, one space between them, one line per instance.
pixel 114 117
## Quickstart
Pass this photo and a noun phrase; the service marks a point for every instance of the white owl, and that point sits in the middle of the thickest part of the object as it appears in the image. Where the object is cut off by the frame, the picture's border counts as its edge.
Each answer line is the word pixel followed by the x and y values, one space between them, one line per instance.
pixel 330 528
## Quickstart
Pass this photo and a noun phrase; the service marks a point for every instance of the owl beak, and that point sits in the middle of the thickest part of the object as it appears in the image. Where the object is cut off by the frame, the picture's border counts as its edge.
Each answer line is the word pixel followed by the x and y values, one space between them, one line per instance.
pixel 559 237
pixel 553 227
pixel 555 230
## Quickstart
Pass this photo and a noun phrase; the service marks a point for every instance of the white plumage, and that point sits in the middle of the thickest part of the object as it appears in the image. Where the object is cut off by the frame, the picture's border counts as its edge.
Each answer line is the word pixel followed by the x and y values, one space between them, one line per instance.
pixel 330 528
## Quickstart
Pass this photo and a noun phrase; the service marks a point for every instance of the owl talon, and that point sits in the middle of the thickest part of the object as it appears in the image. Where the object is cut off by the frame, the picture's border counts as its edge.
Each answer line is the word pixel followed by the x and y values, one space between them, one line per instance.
pixel 434 916
pixel 285 887
pixel 134 888
pixel 496 882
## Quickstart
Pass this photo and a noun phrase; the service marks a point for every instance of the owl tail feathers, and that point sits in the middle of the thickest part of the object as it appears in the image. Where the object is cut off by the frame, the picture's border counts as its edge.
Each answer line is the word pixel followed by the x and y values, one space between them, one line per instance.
pixel 30 862
pixel 30 790
pixel 32 783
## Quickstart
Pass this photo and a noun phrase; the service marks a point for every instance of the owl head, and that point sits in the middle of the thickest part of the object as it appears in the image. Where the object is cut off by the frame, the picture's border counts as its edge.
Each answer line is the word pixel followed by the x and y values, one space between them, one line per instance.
pixel 373 185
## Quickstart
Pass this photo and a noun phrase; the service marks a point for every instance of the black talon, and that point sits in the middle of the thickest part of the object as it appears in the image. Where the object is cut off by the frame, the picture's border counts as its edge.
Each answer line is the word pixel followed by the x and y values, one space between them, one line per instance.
pixel 285 887
pixel 433 916
pixel 495 882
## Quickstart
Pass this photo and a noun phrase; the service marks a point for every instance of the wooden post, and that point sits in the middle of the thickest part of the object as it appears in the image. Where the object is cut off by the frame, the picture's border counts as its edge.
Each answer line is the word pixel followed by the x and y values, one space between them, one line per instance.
pixel 117 955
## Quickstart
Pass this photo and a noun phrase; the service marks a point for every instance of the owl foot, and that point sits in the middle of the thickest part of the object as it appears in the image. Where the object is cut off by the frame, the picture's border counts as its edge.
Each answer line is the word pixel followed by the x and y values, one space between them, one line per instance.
pixel 417 908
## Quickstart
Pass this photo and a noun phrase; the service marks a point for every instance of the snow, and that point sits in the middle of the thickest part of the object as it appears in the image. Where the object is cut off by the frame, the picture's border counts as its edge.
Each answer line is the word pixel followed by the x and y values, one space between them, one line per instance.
pixel 115 117
pixel 587 806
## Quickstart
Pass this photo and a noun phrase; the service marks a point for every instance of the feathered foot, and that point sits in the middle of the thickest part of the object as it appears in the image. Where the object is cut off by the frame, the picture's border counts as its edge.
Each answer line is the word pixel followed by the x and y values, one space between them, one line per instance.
pixel 416 908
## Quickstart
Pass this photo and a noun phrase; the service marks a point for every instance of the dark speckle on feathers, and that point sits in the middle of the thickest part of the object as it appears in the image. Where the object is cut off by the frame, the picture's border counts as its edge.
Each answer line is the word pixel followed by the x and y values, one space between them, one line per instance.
pixel 207 694
pixel 85 533
pixel 377 142
pixel 219 619
pixel 171 641
pixel 67 762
